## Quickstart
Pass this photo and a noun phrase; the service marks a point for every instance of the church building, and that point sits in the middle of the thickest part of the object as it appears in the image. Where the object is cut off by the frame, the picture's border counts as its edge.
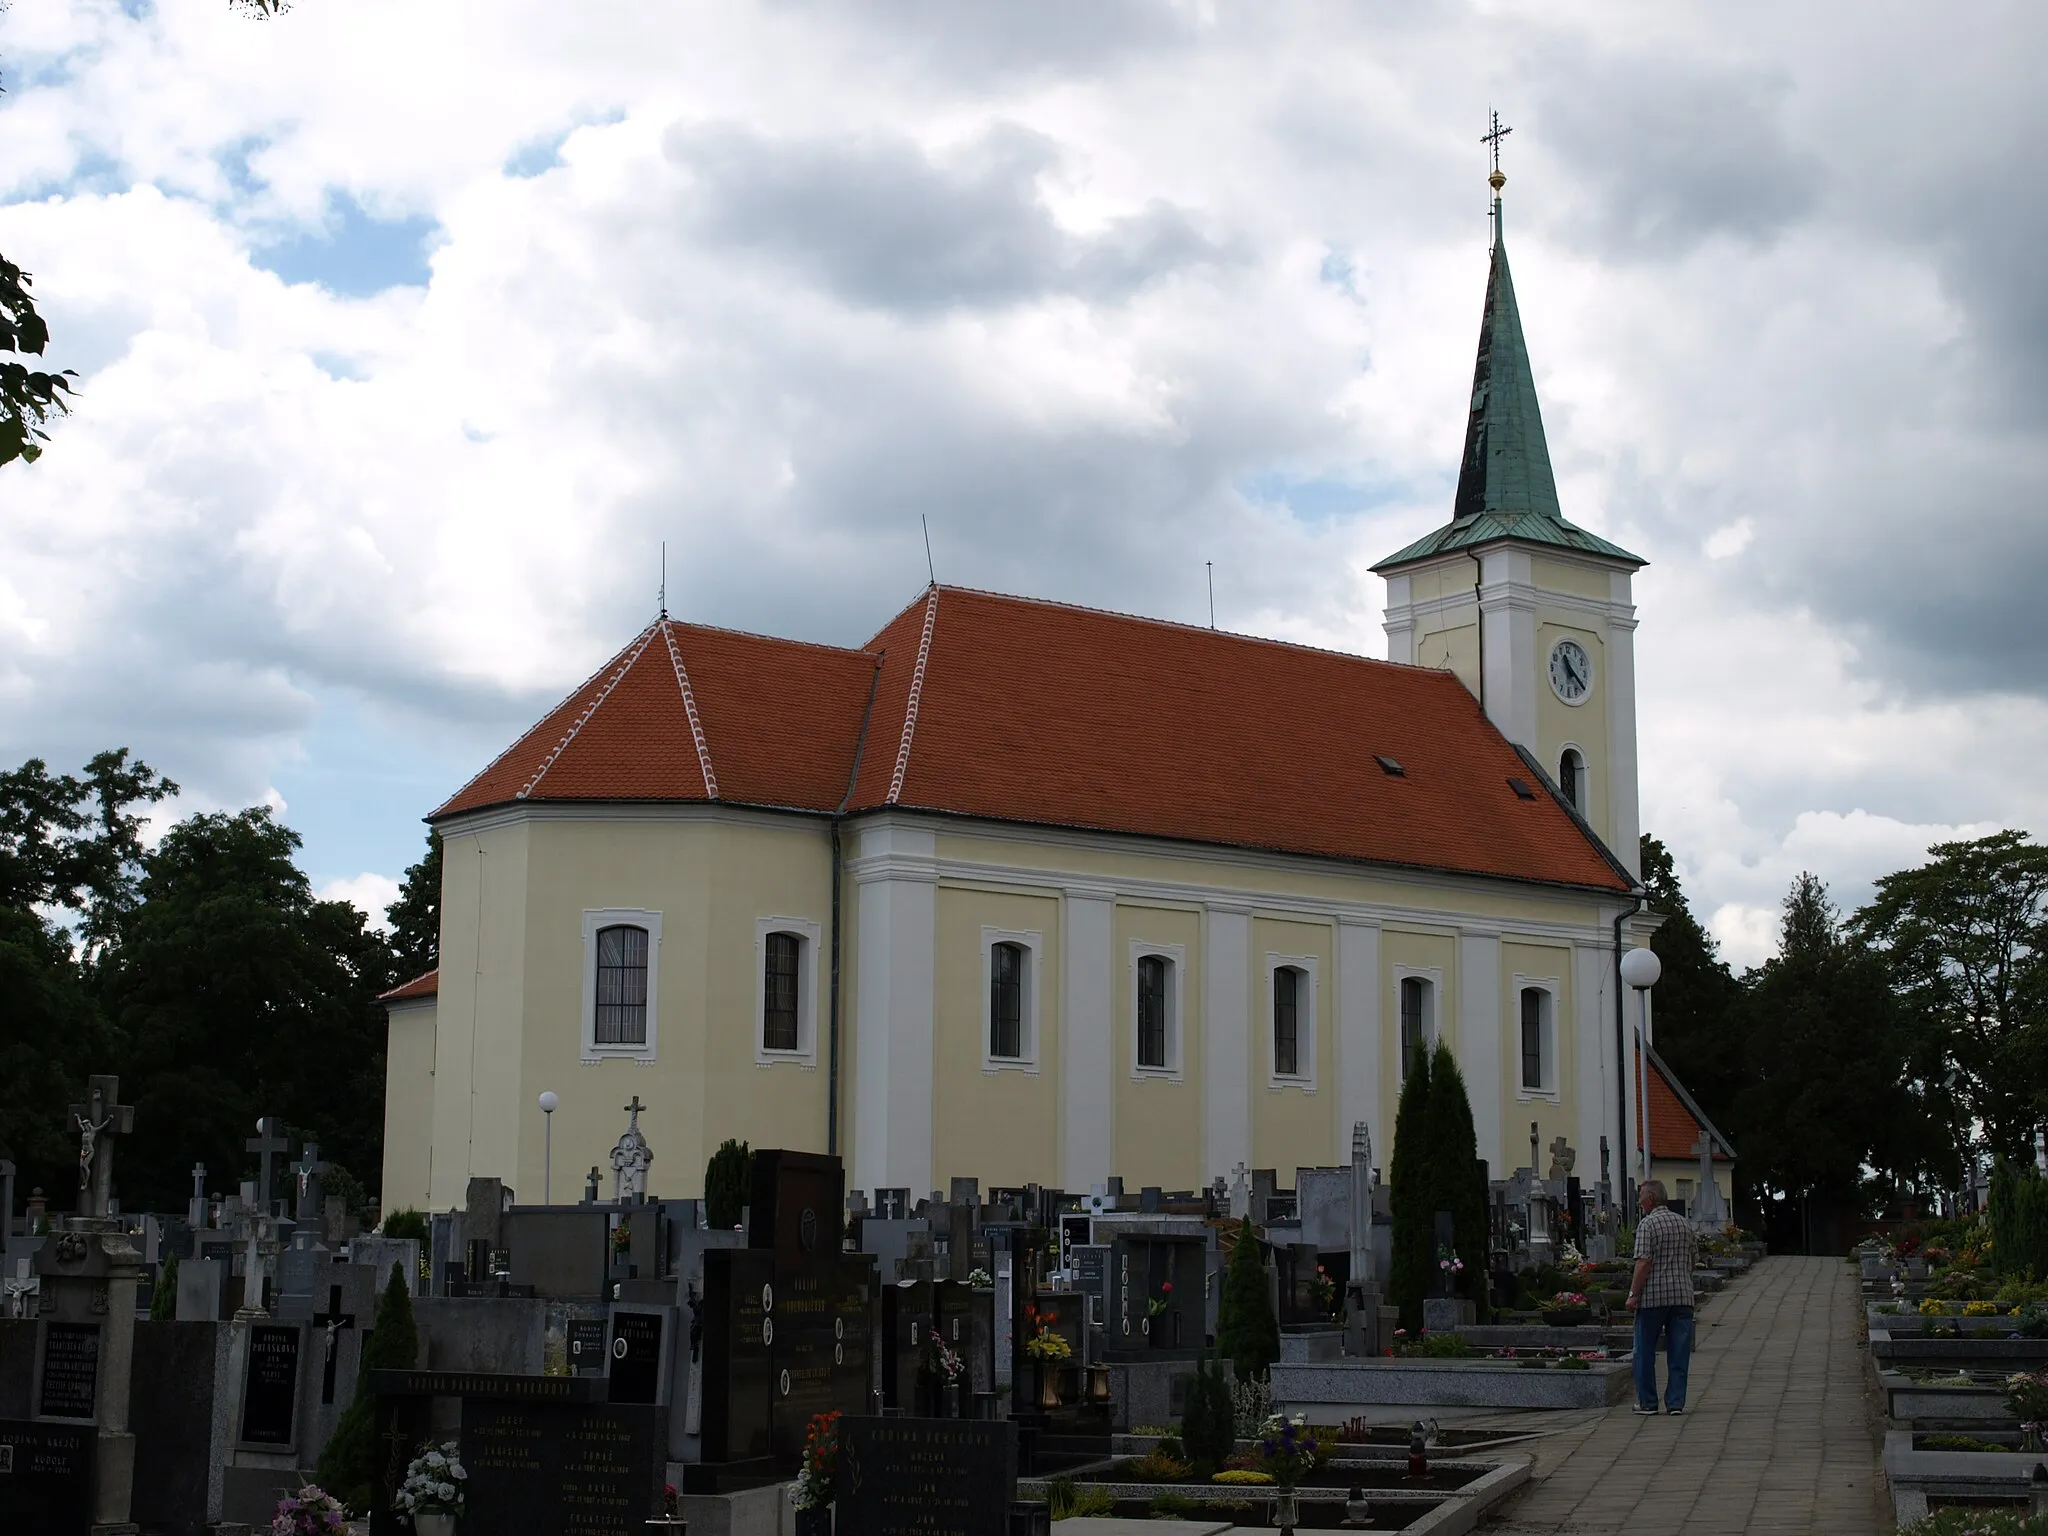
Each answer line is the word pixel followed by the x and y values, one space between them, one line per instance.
pixel 1032 892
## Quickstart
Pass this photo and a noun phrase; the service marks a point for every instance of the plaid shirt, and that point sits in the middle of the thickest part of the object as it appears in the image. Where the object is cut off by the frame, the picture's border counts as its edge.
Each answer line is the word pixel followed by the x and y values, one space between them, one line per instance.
pixel 1666 1239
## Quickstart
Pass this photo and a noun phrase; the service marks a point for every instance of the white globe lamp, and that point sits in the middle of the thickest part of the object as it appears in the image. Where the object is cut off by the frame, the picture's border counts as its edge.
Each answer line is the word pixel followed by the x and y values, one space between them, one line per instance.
pixel 1640 969
pixel 548 1103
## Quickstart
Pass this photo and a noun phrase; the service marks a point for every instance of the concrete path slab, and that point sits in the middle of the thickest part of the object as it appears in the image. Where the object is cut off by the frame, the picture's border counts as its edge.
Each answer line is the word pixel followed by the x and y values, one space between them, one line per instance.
pixel 1096 1525
pixel 1779 1433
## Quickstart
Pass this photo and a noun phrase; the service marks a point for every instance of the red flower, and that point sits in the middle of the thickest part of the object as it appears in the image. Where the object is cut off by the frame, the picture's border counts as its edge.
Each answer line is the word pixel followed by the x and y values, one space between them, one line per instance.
pixel 1166 1287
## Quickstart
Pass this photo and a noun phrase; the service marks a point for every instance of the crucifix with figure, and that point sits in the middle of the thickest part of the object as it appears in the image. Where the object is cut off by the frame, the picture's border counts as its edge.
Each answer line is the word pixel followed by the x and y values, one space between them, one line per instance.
pixel 335 1322
pixel 267 1143
pixel 98 1118
pixel 311 1175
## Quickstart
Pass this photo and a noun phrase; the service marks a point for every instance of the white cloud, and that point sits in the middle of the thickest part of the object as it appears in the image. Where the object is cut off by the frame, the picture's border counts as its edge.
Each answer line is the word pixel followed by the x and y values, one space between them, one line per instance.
pixel 370 893
pixel 1080 284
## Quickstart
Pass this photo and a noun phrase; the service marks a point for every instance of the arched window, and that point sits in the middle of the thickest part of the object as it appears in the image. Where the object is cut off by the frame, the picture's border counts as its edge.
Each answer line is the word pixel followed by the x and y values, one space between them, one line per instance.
pixel 1418 1006
pixel 1006 1000
pixel 1571 778
pixel 1539 1053
pixel 1289 985
pixel 783 953
pixel 1152 979
pixel 621 985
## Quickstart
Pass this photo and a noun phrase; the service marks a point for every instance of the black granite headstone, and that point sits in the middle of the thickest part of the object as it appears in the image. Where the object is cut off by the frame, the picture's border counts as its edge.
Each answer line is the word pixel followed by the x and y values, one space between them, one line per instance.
pixel 46 1479
pixel 926 1477
pixel 1091 1264
pixel 270 1393
pixel 820 1355
pixel 586 1345
pixel 170 1410
pixel 739 1332
pixel 71 1370
pixel 798 1198
pixel 636 1357
pixel 595 1470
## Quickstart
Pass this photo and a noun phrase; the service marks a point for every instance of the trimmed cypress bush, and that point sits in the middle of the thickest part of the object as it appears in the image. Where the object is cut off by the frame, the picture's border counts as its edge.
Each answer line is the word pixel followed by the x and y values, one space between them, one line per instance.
pixel 1208 1430
pixel 727 1180
pixel 2019 1221
pixel 163 1301
pixel 349 1464
pixel 1246 1330
pixel 1414 1256
pixel 1453 1175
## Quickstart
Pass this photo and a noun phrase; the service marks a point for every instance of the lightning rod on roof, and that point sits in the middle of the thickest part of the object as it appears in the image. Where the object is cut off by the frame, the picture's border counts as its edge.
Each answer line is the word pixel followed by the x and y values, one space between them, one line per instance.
pixel 930 569
pixel 1211 564
pixel 661 598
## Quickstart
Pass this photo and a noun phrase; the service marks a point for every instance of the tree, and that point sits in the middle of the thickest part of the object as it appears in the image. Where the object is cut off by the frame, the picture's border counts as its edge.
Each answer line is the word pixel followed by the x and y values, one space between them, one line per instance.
pixel 163 1301
pixel 29 397
pixel 1831 1093
pixel 727 1184
pixel 1208 1426
pixel 52 1036
pixel 240 995
pixel 1694 995
pixel 1407 1176
pixel 1962 938
pixel 1452 1174
pixel 1247 1333
pixel 415 917
pixel 348 1467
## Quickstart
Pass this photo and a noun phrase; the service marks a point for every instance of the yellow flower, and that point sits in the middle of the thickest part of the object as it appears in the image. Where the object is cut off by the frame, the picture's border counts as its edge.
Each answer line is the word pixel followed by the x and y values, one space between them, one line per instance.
pixel 1249 1479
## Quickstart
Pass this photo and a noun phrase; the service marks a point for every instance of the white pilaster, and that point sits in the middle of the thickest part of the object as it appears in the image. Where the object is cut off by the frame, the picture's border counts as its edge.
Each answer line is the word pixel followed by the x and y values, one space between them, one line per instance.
pixel 897 880
pixel 1624 818
pixel 1507 622
pixel 1358 1038
pixel 1480 1029
pixel 1593 1056
pixel 1227 1039
pixel 1399 623
pixel 1087 1039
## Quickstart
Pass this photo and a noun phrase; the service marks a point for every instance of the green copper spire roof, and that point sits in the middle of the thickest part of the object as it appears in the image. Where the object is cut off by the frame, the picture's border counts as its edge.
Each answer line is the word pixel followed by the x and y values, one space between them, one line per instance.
pixel 1505 487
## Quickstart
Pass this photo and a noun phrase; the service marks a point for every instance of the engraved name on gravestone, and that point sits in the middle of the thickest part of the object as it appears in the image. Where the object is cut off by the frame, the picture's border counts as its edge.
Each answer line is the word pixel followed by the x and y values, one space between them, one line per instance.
pixel 270 1393
pixel 636 1357
pixel 71 1368
pixel 587 1469
pixel 586 1345
pixel 926 1477
pixel 46 1479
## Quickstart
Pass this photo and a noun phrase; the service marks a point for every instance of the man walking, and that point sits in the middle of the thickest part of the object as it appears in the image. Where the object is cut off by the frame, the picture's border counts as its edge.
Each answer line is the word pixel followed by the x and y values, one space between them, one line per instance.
pixel 1660 1295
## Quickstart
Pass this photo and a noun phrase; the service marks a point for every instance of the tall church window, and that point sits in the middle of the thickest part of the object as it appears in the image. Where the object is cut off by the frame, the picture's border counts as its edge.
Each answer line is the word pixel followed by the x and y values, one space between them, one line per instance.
pixel 1416 1007
pixel 1152 977
pixel 1571 778
pixel 622 985
pixel 1006 1000
pixel 1538 1038
pixel 1288 986
pixel 783 953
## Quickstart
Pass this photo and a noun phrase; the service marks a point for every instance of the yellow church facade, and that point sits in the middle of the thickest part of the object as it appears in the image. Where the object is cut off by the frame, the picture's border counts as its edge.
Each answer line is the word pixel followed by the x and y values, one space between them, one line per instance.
pixel 1028 892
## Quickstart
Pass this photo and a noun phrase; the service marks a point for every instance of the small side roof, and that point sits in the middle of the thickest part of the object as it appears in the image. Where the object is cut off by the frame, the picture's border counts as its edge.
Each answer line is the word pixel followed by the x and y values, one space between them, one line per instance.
pixel 426 984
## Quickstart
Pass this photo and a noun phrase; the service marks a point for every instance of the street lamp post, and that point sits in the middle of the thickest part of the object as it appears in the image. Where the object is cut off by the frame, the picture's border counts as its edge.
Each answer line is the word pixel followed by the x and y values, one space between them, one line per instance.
pixel 1640 969
pixel 548 1101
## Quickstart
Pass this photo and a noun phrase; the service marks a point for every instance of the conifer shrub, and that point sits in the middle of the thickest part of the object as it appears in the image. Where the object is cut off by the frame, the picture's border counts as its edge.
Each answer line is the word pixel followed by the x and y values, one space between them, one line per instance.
pixel 163 1301
pixel 405 1222
pixel 1208 1428
pixel 1414 1254
pixel 1246 1330
pixel 728 1179
pixel 1454 1177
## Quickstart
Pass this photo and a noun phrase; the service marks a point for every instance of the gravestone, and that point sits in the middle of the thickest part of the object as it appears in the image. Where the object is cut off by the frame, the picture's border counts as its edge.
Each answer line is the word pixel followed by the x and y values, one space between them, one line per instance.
pixel 564 1254
pixel 586 1346
pixel 181 1423
pixel 639 1357
pixel 46 1488
pixel 267 1143
pixel 329 1327
pixel 310 1175
pixel 199 1291
pixel 270 1387
pixel 1443 1311
pixel 926 1477
pixel 380 1253
pixel 631 1159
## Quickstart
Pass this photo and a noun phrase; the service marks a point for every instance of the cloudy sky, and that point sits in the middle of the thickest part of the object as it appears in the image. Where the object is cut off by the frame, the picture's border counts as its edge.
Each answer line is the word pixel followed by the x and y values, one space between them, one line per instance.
pixel 407 330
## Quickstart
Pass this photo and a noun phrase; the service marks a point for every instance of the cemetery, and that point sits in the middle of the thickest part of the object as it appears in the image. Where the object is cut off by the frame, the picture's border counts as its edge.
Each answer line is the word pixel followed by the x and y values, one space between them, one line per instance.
pixel 786 1352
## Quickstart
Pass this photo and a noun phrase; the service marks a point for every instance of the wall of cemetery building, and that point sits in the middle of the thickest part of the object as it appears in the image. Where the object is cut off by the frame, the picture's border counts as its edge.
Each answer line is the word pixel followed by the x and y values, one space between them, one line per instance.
pixel 923 899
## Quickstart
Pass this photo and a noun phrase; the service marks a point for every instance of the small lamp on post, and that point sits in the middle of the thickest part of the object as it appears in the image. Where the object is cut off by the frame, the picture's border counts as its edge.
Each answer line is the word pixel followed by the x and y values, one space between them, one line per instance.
pixel 548 1101
pixel 1640 969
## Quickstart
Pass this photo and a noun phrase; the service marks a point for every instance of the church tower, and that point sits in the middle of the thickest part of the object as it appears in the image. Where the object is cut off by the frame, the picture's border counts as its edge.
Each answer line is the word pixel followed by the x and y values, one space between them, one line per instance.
pixel 1533 614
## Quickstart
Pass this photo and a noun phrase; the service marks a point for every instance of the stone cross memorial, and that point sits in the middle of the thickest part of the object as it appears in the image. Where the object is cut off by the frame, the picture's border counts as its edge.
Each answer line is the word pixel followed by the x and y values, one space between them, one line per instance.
pixel 631 1159
pixel 266 1144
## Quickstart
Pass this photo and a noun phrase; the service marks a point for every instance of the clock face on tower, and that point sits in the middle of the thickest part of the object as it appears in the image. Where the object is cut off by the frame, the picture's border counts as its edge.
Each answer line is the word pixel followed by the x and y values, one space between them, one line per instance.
pixel 1571 671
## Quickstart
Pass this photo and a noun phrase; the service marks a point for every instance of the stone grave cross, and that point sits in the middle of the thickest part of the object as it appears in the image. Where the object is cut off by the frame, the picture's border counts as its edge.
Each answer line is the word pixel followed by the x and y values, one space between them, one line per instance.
pixel 631 1158
pixel 1240 1192
pixel 335 1322
pixel 590 1186
pixel 266 1143
pixel 97 1119
pixel 311 1174
pixel 1562 1159
pixel 195 1209
pixel 1707 1211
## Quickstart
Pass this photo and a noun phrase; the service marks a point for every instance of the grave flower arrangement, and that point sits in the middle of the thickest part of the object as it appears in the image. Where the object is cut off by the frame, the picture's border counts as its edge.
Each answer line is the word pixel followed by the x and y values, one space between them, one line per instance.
pixel 981 1279
pixel 1046 1346
pixel 1287 1452
pixel 813 1486
pixel 622 1241
pixel 1156 1306
pixel 943 1361
pixel 1448 1262
pixel 1568 1301
pixel 312 1511
pixel 1323 1289
pixel 433 1483
pixel 2026 1394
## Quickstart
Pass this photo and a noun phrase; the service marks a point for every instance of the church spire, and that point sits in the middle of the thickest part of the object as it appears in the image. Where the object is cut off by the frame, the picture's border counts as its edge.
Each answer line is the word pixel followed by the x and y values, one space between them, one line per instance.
pixel 1506 467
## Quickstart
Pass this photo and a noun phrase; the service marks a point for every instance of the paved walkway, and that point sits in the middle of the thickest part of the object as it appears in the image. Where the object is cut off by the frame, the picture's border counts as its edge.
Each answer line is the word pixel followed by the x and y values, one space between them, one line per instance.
pixel 1777 1433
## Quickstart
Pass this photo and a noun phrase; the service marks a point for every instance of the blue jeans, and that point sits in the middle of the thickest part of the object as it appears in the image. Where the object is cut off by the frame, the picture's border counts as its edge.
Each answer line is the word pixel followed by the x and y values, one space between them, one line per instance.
pixel 1675 1324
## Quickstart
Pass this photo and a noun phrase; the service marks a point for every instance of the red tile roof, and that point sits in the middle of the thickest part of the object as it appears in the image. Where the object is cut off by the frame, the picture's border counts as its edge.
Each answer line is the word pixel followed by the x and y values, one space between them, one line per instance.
pixel 1674 1129
pixel 427 984
pixel 1020 710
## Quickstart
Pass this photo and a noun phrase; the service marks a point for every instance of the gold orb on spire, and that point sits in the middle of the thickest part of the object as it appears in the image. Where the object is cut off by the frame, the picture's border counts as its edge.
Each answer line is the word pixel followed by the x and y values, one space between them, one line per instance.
pixel 1496 180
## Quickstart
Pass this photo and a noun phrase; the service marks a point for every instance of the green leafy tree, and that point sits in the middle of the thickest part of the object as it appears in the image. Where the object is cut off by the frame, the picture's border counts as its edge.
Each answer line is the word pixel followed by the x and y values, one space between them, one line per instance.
pixel 240 994
pixel 405 1222
pixel 1962 938
pixel 415 917
pixel 1694 994
pixel 1452 1174
pixel 1208 1426
pixel 348 1467
pixel 1831 1094
pixel 1409 1194
pixel 52 1036
pixel 163 1301
pixel 29 396
pixel 728 1181
pixel 1246 1330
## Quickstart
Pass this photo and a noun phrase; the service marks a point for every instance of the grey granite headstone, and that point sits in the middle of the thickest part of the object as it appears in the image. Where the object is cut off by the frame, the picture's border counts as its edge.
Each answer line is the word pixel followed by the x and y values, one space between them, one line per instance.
pixel 380 1253
pixel 199 1290
pixel 1323 1198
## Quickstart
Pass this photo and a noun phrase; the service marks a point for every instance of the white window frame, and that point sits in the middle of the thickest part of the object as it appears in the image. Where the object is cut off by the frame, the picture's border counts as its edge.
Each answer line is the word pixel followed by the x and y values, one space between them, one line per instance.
pixel 1432 1027
pixel 808 935
pixel 1305 1020
pixel 595 918
pixel 1176 958
pixel 1033 944
pixel 1582 802
pixel 1551 1090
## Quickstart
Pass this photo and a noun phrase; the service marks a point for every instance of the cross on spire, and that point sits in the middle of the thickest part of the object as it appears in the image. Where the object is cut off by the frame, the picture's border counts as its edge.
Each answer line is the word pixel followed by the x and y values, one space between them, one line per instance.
pixel 1492 139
